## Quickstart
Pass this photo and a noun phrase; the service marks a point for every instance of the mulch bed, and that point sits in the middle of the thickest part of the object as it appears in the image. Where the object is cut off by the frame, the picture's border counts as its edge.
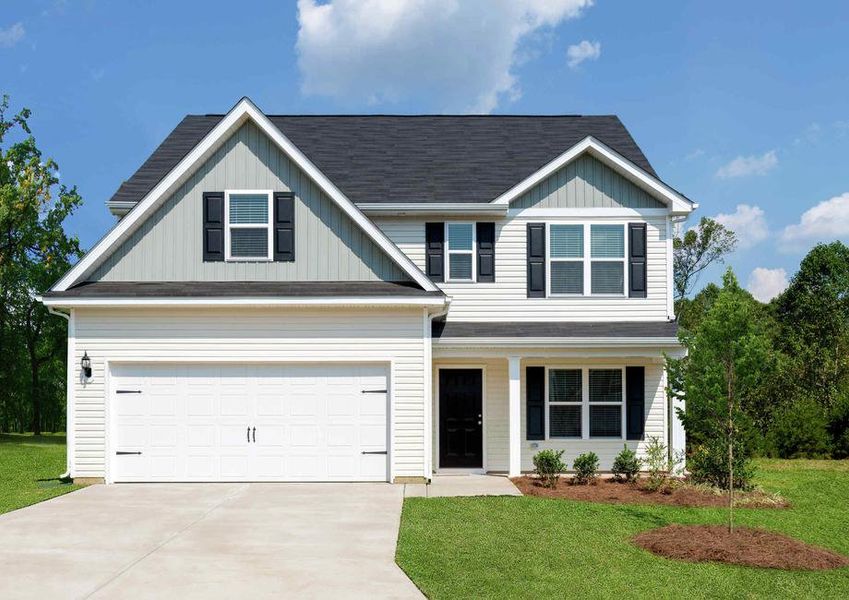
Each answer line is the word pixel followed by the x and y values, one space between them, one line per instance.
pixel 746 546
pixel 611 492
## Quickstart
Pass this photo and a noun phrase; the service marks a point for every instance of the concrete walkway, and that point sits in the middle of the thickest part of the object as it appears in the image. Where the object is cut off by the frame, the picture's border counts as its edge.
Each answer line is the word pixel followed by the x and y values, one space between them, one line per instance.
pixel 207 541
pixel 463 485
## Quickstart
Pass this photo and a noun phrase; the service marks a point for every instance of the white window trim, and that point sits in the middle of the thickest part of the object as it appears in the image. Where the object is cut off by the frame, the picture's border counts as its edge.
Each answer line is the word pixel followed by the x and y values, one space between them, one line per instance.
pixel 585 403
pixel 228 226
pixel 472 253
pixel 586 259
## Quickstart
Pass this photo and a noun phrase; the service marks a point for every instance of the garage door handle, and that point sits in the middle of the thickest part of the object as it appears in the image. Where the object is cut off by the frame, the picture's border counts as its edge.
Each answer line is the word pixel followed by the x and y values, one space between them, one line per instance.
pixel 122 453
pixel 254 435
pixel 374 452
pixel 249 434
pixel 374 391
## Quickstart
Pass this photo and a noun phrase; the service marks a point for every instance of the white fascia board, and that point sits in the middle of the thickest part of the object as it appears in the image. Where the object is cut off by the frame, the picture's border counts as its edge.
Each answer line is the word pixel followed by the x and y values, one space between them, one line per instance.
pixel 554 342
pixel 245 301
pixel 594 213
pixel 242 112
pixel 678 204
pixel 401 208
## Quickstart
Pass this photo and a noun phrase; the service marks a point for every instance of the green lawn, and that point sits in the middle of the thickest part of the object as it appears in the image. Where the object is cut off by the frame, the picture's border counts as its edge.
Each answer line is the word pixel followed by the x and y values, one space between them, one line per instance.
pixel 533 547
pixel 29 467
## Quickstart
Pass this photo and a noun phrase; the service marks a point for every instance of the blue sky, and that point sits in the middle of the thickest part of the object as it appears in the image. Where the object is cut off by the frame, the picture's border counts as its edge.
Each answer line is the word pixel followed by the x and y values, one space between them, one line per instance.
pixel 740 105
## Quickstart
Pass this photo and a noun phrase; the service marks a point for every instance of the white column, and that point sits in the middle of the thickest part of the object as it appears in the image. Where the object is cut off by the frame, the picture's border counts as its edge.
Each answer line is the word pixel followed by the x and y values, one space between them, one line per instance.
pixel 515 417
pixel 678 436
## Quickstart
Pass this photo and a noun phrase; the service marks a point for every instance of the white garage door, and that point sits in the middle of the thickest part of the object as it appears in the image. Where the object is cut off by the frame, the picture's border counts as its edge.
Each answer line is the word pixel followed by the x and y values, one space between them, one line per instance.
pixel 248 423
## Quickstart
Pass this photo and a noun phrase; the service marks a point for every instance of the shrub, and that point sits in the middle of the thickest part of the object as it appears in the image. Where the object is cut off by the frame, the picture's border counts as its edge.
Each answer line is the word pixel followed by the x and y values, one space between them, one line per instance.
pixel 626 465
pixel 839 426
pixel 708 464
pixel 657 464
pixel 548 465
pixel 800 430
pixel 586 468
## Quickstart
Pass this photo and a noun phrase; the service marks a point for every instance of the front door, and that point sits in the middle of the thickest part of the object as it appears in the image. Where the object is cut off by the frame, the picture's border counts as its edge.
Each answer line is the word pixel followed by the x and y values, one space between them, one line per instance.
pixel 460 418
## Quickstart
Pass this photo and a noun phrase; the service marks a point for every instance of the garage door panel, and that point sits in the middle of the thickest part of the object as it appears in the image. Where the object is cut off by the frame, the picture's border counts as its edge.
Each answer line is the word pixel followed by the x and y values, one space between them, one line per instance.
pixel 199 423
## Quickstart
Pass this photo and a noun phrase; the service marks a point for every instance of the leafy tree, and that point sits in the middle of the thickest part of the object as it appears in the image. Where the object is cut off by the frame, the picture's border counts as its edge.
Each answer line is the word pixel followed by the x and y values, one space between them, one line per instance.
pixel 34 251
pixel 707 243
pixel 730 359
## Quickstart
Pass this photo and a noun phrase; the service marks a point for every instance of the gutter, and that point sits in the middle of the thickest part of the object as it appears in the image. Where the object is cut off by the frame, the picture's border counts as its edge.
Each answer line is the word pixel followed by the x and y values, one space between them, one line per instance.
pixel 68 301
pixel 559 342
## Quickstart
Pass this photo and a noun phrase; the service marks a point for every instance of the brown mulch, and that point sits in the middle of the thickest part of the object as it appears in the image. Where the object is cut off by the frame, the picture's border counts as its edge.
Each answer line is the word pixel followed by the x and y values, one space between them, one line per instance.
pixel 746 546
pixel 611 492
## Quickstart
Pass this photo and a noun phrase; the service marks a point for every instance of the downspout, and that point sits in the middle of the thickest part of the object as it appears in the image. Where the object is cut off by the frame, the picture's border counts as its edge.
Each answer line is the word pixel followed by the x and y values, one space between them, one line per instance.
pixel 428 324
pixel 66 476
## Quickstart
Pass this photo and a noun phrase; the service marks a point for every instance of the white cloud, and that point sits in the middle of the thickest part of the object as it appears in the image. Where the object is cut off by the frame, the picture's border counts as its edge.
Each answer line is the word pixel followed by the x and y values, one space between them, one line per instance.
pixel 766 284
pixel 747 222
pixel 749 165
pixel 459 54
pixel 11 36
pixel 825 222
pixel 578 53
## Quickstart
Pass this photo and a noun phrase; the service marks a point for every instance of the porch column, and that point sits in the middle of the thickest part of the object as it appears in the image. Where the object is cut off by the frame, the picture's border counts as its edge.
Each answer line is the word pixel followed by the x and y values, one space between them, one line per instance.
pixel 515 417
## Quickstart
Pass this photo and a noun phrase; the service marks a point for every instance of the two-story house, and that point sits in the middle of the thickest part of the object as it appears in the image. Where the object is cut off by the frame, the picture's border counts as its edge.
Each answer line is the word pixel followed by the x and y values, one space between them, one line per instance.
pixel 373 298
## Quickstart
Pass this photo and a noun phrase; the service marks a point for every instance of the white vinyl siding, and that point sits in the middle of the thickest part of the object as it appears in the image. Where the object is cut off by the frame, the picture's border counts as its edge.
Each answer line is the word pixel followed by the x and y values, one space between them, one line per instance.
pixel 258 335
pixel 506 298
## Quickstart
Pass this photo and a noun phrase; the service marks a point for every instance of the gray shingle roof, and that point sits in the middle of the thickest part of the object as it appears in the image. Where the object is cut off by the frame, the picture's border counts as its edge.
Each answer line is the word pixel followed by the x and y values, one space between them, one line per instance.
pixel 379 158
pixel 229 289
pixel 630 329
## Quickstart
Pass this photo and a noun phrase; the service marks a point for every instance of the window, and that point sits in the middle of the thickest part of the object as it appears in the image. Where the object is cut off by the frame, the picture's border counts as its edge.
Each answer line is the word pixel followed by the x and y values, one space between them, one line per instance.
pixel 584 262
pixel 607 251
pixel 248 234
pixel 566 249
pixel 460 251
pixel 564 403
pixel 605 399
pixel 585 403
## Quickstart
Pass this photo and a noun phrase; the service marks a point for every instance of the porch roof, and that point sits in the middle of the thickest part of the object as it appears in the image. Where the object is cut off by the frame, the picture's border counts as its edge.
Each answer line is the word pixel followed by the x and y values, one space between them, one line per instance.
pixel 548 329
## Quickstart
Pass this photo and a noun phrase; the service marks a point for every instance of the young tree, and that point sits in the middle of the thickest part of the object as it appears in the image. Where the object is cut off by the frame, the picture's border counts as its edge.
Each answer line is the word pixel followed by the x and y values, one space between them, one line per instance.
pixel 34 251
pixel 729 359
pixel 707 243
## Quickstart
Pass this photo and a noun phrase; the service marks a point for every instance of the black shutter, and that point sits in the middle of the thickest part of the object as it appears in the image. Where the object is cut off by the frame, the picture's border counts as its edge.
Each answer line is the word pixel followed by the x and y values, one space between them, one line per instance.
pixel 536 260
pixel 535 402
pixel 434 250
pixel 213 226
pixel 486 251
pixel 284 226
pixel 637 260
pixel 635 397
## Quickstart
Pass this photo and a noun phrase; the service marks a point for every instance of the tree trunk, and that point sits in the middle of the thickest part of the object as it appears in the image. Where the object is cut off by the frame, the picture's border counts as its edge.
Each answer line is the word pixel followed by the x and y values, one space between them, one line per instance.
pixel 731 449
pixel 35 394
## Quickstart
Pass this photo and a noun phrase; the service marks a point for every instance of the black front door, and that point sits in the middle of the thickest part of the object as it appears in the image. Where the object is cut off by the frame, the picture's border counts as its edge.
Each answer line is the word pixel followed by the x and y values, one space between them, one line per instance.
pixel 460 418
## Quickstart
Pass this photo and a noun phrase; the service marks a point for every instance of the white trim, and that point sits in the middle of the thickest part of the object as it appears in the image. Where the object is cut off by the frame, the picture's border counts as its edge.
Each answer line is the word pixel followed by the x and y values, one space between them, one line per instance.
pixel 559 342
pixel 670 276
pixel 428 393
pixel 677 203
pixel 248 301
pixel 396 209
pixel 473 253
pixel 71 405
pixel 514 416
pixel 243 111
pixel 592 213
pixel 435 404
pixel 269 257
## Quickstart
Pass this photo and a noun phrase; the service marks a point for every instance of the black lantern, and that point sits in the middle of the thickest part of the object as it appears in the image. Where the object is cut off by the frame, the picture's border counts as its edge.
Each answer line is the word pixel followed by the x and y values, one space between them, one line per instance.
pixel 85 363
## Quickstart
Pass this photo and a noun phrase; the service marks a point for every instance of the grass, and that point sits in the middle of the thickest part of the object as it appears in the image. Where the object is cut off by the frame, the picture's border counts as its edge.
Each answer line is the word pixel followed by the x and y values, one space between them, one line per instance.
pixel 525 547
pixel 29 467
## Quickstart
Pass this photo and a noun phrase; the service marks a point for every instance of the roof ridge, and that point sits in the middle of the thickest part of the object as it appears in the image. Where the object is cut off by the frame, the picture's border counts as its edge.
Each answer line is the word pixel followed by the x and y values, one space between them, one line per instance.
pixel 429 116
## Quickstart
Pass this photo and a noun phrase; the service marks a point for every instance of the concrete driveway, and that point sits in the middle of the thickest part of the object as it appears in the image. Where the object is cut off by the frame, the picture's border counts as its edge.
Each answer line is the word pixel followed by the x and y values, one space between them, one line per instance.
pixel 207 541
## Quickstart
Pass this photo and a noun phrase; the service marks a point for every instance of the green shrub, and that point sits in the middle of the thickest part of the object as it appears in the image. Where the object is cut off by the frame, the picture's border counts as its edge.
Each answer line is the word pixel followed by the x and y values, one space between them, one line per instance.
pixel 657 464
pixel 839 426
pixel 586 468
pixel 708 464
pixel 626 465
pixel 548 465
pixel 800 430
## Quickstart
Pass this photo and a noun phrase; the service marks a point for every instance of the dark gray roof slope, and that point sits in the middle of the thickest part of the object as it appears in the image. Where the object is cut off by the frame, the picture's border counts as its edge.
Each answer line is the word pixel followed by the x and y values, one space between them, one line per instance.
pixel 253 289
pixel 378 158
pixel 630 329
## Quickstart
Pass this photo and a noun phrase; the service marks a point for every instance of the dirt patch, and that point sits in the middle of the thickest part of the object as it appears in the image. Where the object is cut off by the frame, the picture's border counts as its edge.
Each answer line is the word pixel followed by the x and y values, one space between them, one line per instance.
pixel 746 546
pixel 612 492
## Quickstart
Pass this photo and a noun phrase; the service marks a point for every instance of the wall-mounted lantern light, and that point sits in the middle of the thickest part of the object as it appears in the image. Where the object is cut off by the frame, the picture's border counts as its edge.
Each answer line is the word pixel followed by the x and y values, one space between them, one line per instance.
pixel 85 363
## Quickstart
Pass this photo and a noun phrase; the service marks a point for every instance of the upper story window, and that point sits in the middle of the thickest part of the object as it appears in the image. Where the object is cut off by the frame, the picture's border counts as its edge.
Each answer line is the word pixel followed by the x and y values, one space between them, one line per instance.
pixel 586 259
pixel 460 251
pixel 248 228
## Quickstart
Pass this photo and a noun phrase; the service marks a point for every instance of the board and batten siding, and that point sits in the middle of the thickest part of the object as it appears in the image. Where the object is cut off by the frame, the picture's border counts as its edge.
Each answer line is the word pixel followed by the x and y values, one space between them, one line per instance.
pixel 506 299
pixel 329 246
pixel 260 335
pixel 496 412
pixel 586 183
